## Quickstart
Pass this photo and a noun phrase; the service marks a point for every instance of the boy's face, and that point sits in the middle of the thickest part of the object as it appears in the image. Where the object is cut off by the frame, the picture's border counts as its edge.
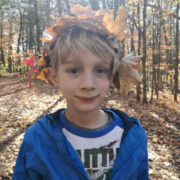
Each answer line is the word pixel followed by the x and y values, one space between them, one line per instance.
pixel 84 82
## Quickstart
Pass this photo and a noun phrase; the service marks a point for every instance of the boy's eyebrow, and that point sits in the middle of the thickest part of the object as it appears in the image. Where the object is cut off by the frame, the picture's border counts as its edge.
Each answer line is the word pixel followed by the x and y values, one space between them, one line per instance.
pixel 104 62
pixel 71 61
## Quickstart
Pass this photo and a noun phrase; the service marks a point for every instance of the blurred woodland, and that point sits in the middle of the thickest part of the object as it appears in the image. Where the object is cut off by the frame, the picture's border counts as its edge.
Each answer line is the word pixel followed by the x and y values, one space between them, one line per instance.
pixel 152 31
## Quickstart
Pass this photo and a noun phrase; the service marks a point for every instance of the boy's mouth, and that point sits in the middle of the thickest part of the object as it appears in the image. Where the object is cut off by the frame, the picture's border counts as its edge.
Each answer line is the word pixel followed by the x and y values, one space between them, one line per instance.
pixel 87 99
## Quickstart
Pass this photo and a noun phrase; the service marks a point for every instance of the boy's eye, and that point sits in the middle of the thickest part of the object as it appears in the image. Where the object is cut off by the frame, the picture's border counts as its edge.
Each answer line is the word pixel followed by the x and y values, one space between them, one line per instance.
pixel 101 70
pixel 73 71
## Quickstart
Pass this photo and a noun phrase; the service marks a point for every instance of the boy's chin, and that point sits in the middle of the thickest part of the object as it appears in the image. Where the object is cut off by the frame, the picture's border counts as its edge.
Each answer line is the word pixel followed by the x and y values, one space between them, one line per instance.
pixel 87 108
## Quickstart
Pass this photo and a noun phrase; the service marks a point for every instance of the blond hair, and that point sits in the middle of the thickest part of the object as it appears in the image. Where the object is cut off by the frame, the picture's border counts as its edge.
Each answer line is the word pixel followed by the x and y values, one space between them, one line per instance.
pixel 76 40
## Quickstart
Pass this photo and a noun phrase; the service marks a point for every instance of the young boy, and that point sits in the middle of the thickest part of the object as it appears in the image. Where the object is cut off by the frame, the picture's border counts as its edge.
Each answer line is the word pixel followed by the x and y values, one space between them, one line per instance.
pixel 83 141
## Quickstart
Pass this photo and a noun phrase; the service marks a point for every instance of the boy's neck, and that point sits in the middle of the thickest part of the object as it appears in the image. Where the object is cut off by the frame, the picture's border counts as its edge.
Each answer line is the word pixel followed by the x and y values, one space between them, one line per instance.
pixel 90 120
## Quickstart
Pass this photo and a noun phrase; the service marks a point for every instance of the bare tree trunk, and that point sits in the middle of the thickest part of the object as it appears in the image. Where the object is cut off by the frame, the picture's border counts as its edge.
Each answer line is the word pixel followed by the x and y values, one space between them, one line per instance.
pixel 138 89
pixel 2 56
pixel 122 2
pixel 1 40
pixel 20 31
pixel 30 39
pixel 10 46
pixel 67 7
pixel 116 5
pixel 38 31
pixel 159 49
pixel 132 33
pixel 159 62
pixel 59 5
pixel 18 60
pixel 104 4
pixel 167 54
pixel 47 23
pixel 144 53
pixel 24 37
pixel 94 5
pixel 177 52
pixel 153 64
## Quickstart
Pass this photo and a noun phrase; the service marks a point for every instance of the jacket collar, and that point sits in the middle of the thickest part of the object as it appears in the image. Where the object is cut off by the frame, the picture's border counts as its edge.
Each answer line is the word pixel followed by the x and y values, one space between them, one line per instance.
pixel 128 122
pixel 133 137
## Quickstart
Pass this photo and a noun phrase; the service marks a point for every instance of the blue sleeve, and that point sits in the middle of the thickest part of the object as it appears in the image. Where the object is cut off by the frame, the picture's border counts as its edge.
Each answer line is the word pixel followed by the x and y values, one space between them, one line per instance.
pixel 21 172
pixel 143 170
pixel 142 173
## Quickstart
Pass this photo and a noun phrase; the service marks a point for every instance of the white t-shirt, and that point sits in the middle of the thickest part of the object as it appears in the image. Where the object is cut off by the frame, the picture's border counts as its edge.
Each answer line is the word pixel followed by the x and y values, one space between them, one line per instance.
pixel 96 148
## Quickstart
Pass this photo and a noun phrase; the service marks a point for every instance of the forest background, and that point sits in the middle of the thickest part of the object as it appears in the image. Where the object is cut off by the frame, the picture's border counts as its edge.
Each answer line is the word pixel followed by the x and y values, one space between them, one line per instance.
pixel 152 31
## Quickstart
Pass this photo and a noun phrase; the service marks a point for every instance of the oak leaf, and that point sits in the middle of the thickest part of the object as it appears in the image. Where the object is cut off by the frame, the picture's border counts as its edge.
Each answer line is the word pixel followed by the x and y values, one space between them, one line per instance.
pixel 45 40
pixel 41 62
pixel 117 26
pixel 128 73
pixel 43 75
pixel 78 9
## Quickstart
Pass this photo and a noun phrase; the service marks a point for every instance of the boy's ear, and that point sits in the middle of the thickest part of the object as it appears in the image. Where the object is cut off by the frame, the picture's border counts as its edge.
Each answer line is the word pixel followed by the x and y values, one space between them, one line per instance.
pixel 53 77
pixel 111 79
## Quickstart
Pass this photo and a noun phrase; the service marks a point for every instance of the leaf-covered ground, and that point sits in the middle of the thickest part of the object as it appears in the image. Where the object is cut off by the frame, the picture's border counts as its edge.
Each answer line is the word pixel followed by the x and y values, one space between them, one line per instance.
pixel 20 107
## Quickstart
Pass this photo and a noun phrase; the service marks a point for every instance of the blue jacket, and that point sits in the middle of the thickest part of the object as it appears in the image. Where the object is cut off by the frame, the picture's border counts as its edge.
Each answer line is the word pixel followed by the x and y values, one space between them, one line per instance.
pixel 46 154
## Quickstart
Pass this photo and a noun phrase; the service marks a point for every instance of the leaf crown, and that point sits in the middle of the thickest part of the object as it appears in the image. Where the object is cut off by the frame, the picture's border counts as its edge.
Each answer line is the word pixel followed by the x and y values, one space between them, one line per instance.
pixel 101 22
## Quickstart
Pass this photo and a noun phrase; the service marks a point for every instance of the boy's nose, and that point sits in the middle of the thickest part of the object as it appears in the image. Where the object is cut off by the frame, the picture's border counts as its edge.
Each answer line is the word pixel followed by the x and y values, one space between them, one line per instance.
pixel 88 81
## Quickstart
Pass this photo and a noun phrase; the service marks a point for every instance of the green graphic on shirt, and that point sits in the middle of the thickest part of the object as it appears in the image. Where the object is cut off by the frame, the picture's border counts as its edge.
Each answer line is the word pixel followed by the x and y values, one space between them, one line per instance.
pixel 87 159
pixel 91 162
pixel 105 176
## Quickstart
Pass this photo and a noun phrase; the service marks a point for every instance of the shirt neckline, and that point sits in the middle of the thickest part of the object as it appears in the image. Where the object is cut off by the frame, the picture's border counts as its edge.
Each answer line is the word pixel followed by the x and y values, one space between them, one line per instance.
pixel 89 133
